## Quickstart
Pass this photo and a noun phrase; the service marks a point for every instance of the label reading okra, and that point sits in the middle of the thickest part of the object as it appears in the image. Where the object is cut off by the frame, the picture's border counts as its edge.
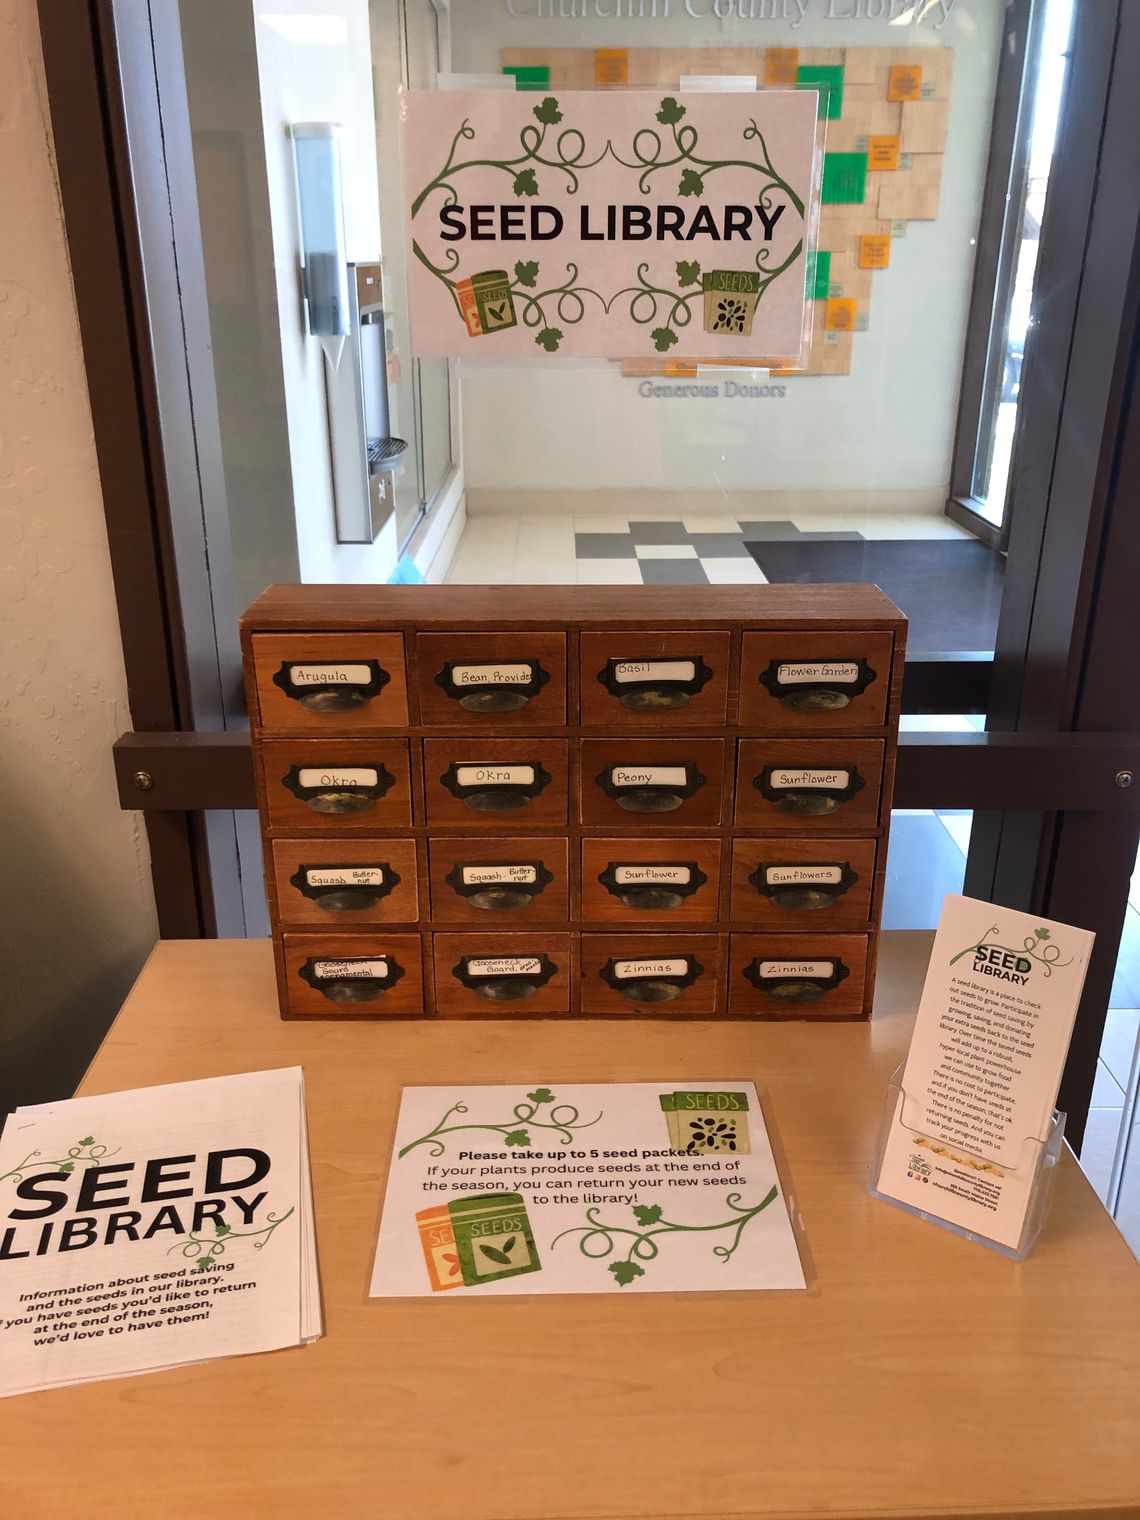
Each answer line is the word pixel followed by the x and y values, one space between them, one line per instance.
pixel 346 778
pixel 480 876
pixel 472 774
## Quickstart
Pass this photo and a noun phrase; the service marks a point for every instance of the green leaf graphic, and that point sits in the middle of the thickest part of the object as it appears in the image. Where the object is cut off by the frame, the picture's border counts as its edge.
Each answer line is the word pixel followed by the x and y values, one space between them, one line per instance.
pixel 526 183
pixel 691 183
pixel 549 338
pixel 647 1213
pixel 494 1254
pixel 541 1095
pixel 548 111
pixel 517 1137
pixel 1042 934
pixel 223 1230
pixel 670 111
pixel 68 1166
pixel 626 1271
pixel 527 274
pixel 88 1140
pixel 508 1244
pixel 663 338
pixel 688 272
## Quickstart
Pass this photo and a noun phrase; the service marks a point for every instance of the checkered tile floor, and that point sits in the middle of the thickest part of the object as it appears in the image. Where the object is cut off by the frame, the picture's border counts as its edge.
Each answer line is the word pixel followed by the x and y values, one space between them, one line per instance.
pixel 670 553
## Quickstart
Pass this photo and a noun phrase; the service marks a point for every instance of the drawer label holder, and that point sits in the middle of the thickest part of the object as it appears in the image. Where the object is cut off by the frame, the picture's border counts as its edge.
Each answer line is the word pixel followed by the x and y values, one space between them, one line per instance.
pixel 651 979
pixel 650 788
pixel 339 788
pixel 808 791
pixel 492 687
pixel 495 788
pixel 345 888
pixel 652 885
pixel 816 685
pixel 803 886
pixel 648 685
pixel 324 686
pixel 352 979
pixel 499 885
pixel 787 980
pixel 504 978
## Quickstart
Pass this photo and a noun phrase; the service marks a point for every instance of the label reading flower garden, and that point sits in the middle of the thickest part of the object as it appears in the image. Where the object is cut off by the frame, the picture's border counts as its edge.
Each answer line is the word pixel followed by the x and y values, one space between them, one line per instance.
pixel 608 224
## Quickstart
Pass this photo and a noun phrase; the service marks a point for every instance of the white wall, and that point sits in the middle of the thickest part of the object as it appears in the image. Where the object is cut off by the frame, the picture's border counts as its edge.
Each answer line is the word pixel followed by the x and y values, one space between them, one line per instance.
pixel 76 907
pixel 886 427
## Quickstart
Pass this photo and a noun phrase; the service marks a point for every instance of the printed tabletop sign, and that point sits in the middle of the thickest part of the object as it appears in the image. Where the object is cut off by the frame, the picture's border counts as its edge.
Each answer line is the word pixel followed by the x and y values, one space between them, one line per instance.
pixel 608 224
pixel 633 1187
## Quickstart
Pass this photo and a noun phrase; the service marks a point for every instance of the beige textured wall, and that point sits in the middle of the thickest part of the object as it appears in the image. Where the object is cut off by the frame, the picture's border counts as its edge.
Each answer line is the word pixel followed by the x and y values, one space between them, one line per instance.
pixel 76 908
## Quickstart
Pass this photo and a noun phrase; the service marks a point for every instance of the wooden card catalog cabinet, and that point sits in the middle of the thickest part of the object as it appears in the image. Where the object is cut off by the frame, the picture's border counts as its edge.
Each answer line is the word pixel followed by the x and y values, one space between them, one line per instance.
pixel 605 802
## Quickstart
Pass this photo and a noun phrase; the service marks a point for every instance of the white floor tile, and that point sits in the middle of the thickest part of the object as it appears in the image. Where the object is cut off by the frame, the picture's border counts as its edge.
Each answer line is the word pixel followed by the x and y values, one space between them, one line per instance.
pixel 608 572
pixel 612 522
pixel 712 522
pixel 548 572
pixel 817 522
pixel 665 551
pixel 734 572
pixel 914 527
pixel 480 565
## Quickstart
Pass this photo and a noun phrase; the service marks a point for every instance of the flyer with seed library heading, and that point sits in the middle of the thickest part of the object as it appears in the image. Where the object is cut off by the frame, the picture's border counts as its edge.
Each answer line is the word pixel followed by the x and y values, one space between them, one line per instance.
pixel 981 1079
pixel 583 1188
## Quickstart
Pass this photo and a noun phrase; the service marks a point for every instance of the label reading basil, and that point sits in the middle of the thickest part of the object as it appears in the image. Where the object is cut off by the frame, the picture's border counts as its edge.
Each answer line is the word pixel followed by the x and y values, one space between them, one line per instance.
pixel 349 776
pixel 347 876
pixel 770 970
pixel 803 876
pixel 650 775
pixel 504 965
pixel 523 876
pixel 654 670
pixel 329 675
pixel 825 780
pixel 846 673
pixel 625 876
pixel 362 970
pixel 492 675
pixel 472 774
pixel 627 970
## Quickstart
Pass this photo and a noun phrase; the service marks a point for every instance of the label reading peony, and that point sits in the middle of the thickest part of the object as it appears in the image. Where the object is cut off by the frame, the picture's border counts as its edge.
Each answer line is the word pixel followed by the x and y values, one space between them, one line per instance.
pixel 504 965
pixel 845 674
pixel 478 876
pixel 492 675
pixel 825 780
pixel 375 969
pixel 628 876
pixel 348 777
pixel 628 970
pixel 654 670
pixel 771 970
pixel 345 876
pixel 494 775
pixel 650 775
pixel 329 675
pixel 803 876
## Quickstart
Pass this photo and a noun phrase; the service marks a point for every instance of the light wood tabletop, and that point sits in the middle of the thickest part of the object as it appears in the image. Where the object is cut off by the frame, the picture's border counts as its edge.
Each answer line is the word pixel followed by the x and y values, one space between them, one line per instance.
pixel 920 1375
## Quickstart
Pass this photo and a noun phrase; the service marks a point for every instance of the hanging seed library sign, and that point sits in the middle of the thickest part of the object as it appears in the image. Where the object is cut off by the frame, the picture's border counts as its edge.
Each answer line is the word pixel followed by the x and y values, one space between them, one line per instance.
pixel 599 224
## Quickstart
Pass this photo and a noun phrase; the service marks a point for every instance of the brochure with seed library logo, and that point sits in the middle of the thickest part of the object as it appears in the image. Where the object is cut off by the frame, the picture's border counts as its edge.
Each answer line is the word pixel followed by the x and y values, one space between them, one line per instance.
pixel 155 1228
pixel 985 1061
pixel 572 1188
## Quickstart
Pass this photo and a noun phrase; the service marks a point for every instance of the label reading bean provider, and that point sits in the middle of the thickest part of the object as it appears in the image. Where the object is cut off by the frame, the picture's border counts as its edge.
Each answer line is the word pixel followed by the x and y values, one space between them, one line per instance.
pixel 492 675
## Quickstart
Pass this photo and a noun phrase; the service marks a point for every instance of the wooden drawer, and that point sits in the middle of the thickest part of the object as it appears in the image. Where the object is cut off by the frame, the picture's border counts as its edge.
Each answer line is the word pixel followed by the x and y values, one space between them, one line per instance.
pixel 815 682
pixel 798 976
pixel 651 679
pixel 354 975
pixel 483 782
pixel 339 786
pixel 811 786
pixel 621 781
pixel 652 881
pixel 345 883
pixel 505 882
pixel 490 682
pixel 803 885
pixel 502 975
pixel 643 975
pixel 330 683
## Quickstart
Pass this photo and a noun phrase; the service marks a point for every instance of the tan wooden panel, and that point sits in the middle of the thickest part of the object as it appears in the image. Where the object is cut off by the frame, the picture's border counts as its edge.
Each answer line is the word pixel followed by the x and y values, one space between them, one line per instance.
pixel 301 685
pixel 498 963
pixel 924 126
pixel 325 975
pixel 451 801
pixel 339 884
pixel 798 976
pixel 645 898
pixel 339 786
pixel 785 686
pixel 794 770
pixel 640 783
pixel 799 866
pixel 456 680
pixel 501 871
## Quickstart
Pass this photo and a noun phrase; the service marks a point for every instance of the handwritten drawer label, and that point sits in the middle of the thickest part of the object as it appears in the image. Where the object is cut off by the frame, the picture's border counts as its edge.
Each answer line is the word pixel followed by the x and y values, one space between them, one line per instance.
pixel 652 875
pixel 625 970
pixel 330 675
pixel 803 876
pixel 829 780
pixel 492 675
pixel 472 774
pixel 349 776
pixel 375 969
pixel 624 671
pixel 504 965
pixel 650 775
pixel 767 970
pixel 846 673
pixel 521 876
pixel 346 876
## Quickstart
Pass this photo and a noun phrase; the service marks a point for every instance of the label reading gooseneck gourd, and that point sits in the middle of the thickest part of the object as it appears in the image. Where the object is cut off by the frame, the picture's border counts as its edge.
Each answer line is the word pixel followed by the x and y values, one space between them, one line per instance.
pixel 492 675
pixel 504 965
pixel 329 675
pixel 798 780
pixel 490 876
pixel 346 876
pixel 816 672
pixel 654 670
pixel 803 876
pixel 335 971
pixel 472 774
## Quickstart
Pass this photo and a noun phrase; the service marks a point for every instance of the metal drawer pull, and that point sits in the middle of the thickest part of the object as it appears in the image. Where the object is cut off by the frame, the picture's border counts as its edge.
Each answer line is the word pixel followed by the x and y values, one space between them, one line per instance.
pixel 497 885
pixel 816 685
pixel 361 979
pixel 497 688
pixel 494 788
pixel 652 980
pixel 649 788
pixel 642 684
pixel 345 889
pixel 788 981
pixel 504 978
pixel 326 687
pixel 338 789
pixel 808 791
pixel 664 885
pixel 803 886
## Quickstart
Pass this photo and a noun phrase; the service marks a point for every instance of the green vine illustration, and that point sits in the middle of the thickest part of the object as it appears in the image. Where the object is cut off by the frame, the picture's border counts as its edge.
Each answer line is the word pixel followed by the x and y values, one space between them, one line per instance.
pixel 202 1251
pixel 1049 958
pixel 83 1150
pixel 653 1223
pixel 563 1118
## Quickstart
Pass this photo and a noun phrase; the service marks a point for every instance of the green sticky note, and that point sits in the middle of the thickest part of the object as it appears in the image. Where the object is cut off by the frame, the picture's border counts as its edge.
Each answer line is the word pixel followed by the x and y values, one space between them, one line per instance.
pixel 844 179
pixel 818 275
pixel 529 76
pixel 827 78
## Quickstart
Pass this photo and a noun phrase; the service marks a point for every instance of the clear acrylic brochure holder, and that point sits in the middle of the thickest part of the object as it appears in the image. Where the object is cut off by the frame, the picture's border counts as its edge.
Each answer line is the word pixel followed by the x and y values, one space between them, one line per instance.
pixel 1041 1156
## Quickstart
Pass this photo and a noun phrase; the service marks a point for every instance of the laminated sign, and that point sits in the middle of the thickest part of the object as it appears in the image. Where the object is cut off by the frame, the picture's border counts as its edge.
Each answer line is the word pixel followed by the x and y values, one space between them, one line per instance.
pixel 604 224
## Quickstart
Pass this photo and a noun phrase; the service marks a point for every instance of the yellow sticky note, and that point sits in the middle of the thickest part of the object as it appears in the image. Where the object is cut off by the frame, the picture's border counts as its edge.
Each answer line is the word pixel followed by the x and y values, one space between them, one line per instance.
pixel 882 153
pixel 781 65
pixel 841 313
pixel 611 66
pixel 904 82
pixel 874 251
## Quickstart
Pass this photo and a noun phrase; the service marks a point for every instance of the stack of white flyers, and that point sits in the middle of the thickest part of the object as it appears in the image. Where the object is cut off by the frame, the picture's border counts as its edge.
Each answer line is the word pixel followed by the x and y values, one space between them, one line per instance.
pixel 155 1228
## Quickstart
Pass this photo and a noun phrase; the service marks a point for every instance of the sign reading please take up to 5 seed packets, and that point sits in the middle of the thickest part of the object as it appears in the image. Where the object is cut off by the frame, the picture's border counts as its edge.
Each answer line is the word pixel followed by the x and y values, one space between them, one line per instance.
pixel 608 224
pixel 600 1188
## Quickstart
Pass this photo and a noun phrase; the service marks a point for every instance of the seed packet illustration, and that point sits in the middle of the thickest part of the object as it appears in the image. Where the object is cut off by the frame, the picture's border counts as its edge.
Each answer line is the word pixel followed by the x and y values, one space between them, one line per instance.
pixel 438 1241
pixel 493 1237
pixel 669 1109
pixel 710 1123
